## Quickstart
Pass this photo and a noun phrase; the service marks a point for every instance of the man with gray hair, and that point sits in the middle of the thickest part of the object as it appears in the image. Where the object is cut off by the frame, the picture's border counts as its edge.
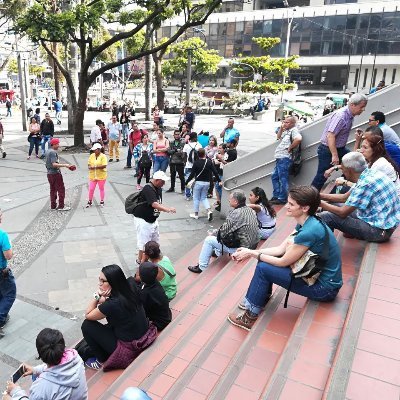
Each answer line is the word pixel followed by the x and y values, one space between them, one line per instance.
pixel 239 230
pixel 371 209
pixel 335 136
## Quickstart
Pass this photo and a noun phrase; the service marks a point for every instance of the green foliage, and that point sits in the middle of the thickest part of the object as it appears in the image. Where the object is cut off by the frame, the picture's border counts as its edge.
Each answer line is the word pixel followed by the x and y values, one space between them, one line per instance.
pixel 270 70
pixel 110 53
pixel 135 43
pixel 204 61
pixel 12 66
pixel 11 9
pixel 36 70
pixel 236 100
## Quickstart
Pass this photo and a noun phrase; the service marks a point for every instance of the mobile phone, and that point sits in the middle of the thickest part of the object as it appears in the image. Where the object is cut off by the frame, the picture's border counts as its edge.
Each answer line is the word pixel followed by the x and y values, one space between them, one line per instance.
pixel 18 373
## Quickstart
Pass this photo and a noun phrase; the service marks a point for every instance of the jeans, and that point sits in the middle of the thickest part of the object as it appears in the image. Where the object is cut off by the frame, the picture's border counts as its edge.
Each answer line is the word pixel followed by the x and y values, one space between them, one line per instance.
pixel 8 293
pixel 200 190
pixel 265 275
pixel 356 227
pixel 100 338
pixel 1 145
pixel 45 139
pixel 92 187
pixel 114 144
pixel 8 112
pixel 211 243
pixel 58 117
pixel 129 158
pixel 218 188
pixel 160 163
pixel 34 142
pixel 324 163
pixel 125 130
pixel 177 168
pixel 188 192
pixel 56 188
pixel 280 178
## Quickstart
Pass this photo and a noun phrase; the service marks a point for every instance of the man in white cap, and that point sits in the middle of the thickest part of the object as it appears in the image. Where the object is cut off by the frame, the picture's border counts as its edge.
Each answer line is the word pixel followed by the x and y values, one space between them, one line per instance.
pixel 148 210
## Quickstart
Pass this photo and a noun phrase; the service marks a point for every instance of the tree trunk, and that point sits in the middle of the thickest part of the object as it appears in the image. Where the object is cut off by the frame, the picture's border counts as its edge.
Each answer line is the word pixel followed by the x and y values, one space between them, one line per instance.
pixel 148 86
pixel 79 115
pixel 159 82
pixel 56 73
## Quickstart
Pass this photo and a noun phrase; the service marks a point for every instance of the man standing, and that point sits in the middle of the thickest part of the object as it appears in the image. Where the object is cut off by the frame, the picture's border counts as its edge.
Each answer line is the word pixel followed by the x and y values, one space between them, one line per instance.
pixel 189 117
pixel 241 226
pixel 47 132
pixel 95 133
pixel 8 107
pixel 371 209
pixel 55 178
pixel 230 132
pixel 190 149
pixel 334 138
pixel 134 138
pixel 58 109
pixel 2 152
pixel 114 136
pixel 290 138
pixel 148 210
pixel 378 118
pixel 8 290
pixel 177 161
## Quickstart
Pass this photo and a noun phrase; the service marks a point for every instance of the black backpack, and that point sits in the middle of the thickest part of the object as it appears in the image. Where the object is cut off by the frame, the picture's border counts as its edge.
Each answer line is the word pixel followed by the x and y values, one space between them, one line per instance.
pixel 8 104
pixel 193 155
pixel 145 160
pixel 296 159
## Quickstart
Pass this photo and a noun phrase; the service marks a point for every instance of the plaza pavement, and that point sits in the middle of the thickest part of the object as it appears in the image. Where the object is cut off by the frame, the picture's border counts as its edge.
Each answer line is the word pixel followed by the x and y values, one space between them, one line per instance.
pixel 58 255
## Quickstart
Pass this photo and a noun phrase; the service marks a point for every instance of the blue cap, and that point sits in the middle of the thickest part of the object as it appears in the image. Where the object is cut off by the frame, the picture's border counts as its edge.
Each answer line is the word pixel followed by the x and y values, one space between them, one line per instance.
pixel 134 393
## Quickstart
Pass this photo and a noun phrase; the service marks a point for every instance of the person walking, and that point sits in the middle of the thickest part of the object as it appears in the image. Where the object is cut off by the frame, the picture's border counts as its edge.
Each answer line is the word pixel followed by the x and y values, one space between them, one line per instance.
pixel 114 135
pixel 34 138
pixel 55 178
pixel 202 170
pixel 2 151
pixel 191 155
pixel 58 109
pixel 95 133
pixel 134 138
pixel 97 165
pixel 8 290
pixel 161 146
pixel 124 121
pixel 211 151
pixel 177 161
pixel 8 107
pixel 47 132
pixel 143 152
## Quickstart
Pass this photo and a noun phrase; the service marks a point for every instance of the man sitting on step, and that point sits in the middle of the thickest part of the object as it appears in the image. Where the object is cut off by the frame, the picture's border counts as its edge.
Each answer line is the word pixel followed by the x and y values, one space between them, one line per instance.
pixel 239 230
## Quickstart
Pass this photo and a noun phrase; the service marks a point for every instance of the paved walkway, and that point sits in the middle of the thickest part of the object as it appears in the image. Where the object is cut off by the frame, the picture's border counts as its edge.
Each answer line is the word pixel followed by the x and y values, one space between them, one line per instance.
pixel 58 255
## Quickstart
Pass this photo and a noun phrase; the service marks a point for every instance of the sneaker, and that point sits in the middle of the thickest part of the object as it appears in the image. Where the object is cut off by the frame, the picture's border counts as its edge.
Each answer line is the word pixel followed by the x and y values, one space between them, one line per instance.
pixel 170 190
pixel 117 159
pixel 135 176
pixel 3 324
pixel 195 268
pixel 89 204
pixel 194 216
pixel 187 198
pixel 101 203
pixel 93 363
pixel 218 207
pixel 210 215
pixel 127 167
pixel 2 333
pixel 110 160
pixel 29 157
pixel 242 306
pixel 244 321
pixel 138 187
pixel 65 208
pixel 4 154
pixel 37 156
pixel 42 156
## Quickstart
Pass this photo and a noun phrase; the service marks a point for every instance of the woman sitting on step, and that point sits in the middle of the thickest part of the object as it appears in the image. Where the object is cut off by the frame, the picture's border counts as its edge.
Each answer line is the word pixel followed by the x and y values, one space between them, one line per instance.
pixel 276 264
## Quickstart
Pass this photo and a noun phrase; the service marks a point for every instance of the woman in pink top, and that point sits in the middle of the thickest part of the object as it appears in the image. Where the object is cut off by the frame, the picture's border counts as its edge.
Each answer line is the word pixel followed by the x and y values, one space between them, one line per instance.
pixel 34 138
pixel 160 149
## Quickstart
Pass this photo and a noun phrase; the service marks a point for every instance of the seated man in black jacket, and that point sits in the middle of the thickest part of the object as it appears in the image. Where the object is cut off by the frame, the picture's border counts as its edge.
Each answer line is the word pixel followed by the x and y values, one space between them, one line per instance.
pixel 155 301
pixel 239 230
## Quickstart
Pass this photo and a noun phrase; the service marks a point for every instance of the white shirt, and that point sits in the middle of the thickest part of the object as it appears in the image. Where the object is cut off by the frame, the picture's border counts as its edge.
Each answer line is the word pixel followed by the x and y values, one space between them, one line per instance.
pixel 95 134
pixel 187 149
pixel 384 166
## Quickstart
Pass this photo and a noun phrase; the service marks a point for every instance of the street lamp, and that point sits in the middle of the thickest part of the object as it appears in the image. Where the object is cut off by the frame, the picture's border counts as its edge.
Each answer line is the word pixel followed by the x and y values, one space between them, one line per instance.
pixel 289 30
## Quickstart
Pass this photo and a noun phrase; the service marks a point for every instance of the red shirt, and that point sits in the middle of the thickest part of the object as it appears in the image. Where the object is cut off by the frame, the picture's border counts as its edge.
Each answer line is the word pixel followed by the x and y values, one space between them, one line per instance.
pixel 135 137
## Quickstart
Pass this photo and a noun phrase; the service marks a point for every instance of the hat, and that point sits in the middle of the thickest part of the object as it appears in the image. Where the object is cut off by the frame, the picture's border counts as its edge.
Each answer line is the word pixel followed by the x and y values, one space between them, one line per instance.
pixel 96 146
pixel 54 141
pixel 160 175
pixel 148 272
pixel 231 140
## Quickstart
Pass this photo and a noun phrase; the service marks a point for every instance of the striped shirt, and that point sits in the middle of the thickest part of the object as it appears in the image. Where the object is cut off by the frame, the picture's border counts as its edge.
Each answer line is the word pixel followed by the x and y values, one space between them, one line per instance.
pixel 339 123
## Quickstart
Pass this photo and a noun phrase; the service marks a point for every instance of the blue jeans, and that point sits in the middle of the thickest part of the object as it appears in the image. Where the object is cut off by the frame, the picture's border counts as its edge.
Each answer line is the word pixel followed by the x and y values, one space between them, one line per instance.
pixel 125 131
pixel 34 142
pixel 160 163
pixel 280 178
pixel 324 163
pixel 265 275
pixel 8 112
pixel 8 292
pixel 211 243
pixel 188 192
pixel 129 158
pixel 200 191
pixel 218 188
pixel 45 139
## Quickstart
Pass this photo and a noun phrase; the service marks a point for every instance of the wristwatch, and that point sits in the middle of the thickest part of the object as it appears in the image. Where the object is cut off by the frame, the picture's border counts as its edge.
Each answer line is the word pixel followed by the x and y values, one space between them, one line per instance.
pixel 259 256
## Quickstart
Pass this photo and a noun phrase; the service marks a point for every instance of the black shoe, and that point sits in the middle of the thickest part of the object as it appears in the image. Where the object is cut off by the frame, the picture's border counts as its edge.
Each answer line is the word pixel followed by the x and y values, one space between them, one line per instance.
pixel 3 324
pixel 195 268
pixel 110 160
pixel 218 207
pixel 277 202
pixel 135 176
pixel 117 159
pixel 170 190
pixel 213 254
pixel 4 154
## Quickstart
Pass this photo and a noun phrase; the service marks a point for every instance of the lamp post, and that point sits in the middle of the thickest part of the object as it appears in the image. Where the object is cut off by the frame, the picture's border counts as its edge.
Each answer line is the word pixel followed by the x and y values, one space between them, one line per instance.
pixel 289 31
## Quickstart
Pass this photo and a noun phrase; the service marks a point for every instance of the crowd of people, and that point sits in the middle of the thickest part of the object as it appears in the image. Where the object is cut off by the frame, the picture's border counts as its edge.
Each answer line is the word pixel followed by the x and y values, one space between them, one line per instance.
pixel 364 204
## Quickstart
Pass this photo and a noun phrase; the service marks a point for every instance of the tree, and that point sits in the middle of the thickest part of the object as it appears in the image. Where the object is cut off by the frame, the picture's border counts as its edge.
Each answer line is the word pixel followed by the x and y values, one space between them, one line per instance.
pixel 77 25
pixel 269 70
pixel 204 61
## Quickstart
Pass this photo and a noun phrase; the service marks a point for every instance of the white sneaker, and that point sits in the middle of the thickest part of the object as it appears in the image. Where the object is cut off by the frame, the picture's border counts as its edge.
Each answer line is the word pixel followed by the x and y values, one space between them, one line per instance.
pixel 194 216
pixel 64 209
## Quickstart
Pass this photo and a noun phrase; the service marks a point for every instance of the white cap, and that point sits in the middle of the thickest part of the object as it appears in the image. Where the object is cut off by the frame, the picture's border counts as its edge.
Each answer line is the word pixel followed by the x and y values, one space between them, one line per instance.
pixel 96 146
pixel 161 175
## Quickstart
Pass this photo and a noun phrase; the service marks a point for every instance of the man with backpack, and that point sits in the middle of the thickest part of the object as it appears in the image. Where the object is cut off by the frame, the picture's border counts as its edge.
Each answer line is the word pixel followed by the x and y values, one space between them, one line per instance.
pixel 190 149
pixel 147 205
pixel 8 106
pixel 177 161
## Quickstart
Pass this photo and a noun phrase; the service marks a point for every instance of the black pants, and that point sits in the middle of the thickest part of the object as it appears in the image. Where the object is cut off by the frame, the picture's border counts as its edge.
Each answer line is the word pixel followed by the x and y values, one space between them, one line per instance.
pixel 143 171
pixel 177 168
pixel 100 338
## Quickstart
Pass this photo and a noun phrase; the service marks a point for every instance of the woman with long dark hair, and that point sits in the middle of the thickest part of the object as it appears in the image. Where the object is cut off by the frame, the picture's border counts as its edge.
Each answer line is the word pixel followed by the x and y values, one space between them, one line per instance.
pixel 118 301
pixel 266 214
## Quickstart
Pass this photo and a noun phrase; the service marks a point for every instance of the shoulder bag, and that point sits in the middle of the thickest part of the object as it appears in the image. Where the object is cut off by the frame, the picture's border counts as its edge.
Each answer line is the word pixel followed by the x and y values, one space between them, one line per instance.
pixel 190 184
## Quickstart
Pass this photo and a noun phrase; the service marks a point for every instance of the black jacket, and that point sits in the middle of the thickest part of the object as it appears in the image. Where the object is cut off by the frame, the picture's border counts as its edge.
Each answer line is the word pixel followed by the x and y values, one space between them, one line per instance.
pixel 176 153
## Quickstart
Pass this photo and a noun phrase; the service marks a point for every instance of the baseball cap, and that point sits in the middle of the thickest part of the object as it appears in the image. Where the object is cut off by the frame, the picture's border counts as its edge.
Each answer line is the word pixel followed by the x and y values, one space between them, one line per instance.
pixel 54 141
pixel 96 146
pixel 160 175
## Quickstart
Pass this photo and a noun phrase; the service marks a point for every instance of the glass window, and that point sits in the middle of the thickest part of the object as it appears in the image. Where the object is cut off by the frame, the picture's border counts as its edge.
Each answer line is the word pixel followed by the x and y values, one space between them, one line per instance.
pixel 365 77
pixel 317 24
pixel 356 77
pixel 294 49
pixel 315 49
pixel 166 31
pixel 363 21
pixel 267 27
pixel 325 48
pixel 258 28
pixel 336 48
pixel 375 21
pixel 276 26
pixel 230 30
pixel 248 27
pixel 239 27
pixel 304 49
pixel 351 22
pixel 214 29
pixel 221 29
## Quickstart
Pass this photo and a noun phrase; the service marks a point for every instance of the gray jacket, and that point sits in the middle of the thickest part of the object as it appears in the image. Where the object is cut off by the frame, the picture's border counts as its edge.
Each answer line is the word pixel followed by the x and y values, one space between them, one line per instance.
pixel 62 382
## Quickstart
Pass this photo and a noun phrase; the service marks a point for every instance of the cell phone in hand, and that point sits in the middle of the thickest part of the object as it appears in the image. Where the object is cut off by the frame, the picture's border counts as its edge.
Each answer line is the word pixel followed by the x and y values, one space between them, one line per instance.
pixel 18 373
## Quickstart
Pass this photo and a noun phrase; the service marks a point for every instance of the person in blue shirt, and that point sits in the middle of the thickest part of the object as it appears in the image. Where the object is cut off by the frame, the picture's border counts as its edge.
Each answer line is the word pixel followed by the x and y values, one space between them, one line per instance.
pixel 8 289
pixel 230 132
pixel 58 109
pixel 275 263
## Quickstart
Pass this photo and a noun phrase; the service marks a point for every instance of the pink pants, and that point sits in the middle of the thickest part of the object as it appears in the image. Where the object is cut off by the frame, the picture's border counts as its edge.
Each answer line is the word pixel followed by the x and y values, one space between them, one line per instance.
pixel 92 187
